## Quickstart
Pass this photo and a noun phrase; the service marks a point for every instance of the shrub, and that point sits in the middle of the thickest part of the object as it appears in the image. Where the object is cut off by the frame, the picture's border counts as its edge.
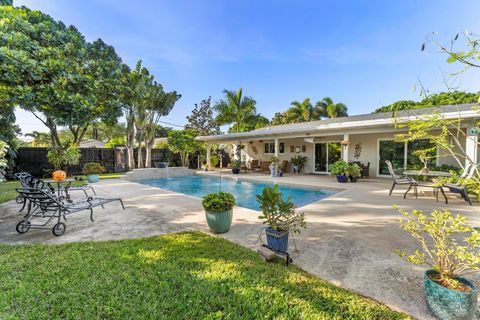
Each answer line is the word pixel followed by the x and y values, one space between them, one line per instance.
pixel 340 168
pixel 236 164
pixel 299 161
pixel 354 170
pixel 214 160
pixel 279 214
pixel 60 158
pixel 218 202
pixel 3 159
pixel 439 234
pixel 93 168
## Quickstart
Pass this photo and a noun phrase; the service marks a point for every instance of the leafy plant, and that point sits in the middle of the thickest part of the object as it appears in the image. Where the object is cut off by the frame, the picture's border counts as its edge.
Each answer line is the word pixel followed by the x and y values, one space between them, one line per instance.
pixel 354 170
pixel 299 161
pixel 60 158
pixel 218 202
pixel 279 214
pixel 236 164
pixel 214 160
pixel 340 168
pixel 92 168
pixel 438 234
pixel 184 143
pixel 3 159
pixel 274 160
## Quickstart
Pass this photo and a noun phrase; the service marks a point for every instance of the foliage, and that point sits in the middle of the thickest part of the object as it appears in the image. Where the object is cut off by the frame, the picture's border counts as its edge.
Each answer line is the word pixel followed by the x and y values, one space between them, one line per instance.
pixel 202 119
pixel 8 132
pixel 183 142
pixel 353 170
pixel 274 160
pixel 339 168
pixel 239 111
pixel 434 100
pixel 3 159
pixel 280 118
pixel 6 2
pixel 39 139
pixel 301 112
pixel 236 164
pixel 218 202
pixel 214 160
pixel 438 234
pixel 116 141
pixel 329 109
pixel 60 158
pixel 279 214
pixel 299 161
pixel 472 185
pixel 50 70
pixel 202 277
pixel 93 168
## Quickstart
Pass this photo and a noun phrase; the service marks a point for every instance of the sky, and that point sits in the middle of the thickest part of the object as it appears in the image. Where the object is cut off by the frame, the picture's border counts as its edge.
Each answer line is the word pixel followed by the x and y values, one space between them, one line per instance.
pixel 365 54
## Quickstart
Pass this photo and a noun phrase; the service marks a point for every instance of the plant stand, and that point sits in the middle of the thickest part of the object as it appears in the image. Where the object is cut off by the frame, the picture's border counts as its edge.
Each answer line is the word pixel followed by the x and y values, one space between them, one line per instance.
pixel 267 254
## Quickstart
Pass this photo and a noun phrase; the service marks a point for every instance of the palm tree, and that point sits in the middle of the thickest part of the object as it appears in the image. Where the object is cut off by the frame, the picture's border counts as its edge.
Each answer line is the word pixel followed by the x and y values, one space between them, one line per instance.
pixel 40 139
pixel 301 112
pixel 236 110
pixel 328 109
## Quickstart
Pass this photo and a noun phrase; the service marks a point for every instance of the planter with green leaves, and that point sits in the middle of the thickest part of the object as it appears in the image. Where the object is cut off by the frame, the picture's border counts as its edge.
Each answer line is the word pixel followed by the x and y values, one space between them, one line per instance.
pixel 354 172
pixel 93 171
pixel 274 161
pixel 298 163
pixel 340 169
pixel 219 211
pixel 236 165
pixel 280 217
pixel 451 248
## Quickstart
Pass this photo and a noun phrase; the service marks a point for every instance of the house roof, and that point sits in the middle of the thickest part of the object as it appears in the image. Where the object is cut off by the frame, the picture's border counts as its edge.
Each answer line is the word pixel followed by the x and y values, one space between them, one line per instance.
pixel 92 144
pixel 342 123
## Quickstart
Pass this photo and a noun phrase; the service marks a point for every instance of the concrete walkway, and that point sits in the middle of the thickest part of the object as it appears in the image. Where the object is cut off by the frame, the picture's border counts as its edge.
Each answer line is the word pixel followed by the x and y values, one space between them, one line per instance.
pixel 349 240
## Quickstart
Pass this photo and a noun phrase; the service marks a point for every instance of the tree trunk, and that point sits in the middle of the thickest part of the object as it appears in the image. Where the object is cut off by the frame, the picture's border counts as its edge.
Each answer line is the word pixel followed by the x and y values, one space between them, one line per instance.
pixel 148 153
pixel 130 144
pixel 140 163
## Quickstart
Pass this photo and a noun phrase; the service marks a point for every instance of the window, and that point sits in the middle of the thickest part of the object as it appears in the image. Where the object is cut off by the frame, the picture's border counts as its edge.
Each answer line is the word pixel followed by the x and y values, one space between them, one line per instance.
pixel 270 147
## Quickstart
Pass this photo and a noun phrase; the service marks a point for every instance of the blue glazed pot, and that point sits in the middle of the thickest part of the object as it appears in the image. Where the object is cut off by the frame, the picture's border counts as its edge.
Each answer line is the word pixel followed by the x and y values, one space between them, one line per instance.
pixel 448 304
pixel 236 170
pixel 342 179
pixel 277 240
pixel 219 222
pixel 93 178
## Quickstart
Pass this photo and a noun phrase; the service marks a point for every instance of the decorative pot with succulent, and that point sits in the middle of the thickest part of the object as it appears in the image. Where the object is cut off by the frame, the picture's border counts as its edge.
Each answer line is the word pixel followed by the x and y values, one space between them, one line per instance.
pixel 298 163
pixel 236 164
pixel 219 211
pixel 354 172
pixel 451 248
pixel 340 169
pixel 93 171
pixel 280 217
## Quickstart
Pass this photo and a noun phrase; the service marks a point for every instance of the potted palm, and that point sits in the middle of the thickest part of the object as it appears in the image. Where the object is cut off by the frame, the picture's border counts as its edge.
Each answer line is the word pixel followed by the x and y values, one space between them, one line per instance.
pixel 340 169
pixel 219 211
pixel 236 164
pixel 280 217
pixel 354 172
pixel 93 171
pixel 298 163
pixel 451 249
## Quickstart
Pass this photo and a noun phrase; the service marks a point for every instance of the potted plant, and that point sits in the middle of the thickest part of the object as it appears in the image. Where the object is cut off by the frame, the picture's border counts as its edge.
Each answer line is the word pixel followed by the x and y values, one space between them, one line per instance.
pixel 93 170
pixel 236 164
pixel 298 163
pixel 273 165
pixel 451 248
pixel 340 169
pixel 280 217
pixel 354 172
pixel 219 211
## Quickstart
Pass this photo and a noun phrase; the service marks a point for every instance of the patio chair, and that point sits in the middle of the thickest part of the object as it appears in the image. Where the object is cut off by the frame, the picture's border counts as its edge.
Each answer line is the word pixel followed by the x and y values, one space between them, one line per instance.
pixel 400 180
pixel 468 173
pixel 255 165
pixel 49 206
pixel 266 166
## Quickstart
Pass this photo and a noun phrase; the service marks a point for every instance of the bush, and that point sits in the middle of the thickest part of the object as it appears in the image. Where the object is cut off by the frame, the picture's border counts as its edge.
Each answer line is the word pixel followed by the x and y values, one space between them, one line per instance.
pixel 278 214
pixel 339 168
pixel 354 170
pixel 439 234
pixel 93 168
pixel 60 158
pixel 299 161
pixel 218 202
pixel 236 164
pixel 3 159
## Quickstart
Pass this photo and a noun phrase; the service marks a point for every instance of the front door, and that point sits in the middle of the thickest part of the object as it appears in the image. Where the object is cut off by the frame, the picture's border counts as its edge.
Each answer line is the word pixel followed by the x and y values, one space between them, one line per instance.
pixel 326 153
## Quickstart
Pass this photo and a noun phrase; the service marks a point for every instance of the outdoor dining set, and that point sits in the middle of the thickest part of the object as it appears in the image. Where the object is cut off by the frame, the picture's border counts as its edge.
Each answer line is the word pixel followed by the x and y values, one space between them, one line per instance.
pixel 50 200
pixel 408 179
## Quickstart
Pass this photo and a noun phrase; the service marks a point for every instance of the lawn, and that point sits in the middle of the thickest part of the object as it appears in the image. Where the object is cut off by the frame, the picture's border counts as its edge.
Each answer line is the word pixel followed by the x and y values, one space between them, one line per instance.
pixel 176 276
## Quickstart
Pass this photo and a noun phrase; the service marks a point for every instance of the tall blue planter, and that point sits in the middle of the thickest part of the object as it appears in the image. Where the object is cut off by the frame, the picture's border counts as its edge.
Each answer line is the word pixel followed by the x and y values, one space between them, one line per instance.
pixel 342 178
pixel 277 240
pixel 448 304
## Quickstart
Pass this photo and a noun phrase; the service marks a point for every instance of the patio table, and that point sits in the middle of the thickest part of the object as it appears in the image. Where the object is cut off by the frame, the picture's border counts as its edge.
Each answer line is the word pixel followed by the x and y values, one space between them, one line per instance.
pixel 429 173
pixel 61 186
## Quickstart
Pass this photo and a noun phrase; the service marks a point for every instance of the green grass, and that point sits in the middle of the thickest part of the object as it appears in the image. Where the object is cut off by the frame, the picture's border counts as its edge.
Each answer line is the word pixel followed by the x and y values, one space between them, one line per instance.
pixel 114 175
pixel 176 276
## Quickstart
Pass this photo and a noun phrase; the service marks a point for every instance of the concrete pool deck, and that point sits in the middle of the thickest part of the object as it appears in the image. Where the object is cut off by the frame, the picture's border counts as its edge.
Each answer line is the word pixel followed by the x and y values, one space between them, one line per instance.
pixel 349 239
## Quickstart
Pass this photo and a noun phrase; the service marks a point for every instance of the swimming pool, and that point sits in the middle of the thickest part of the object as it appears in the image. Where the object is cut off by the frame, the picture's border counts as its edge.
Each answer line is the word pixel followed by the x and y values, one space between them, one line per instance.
pixel 245 192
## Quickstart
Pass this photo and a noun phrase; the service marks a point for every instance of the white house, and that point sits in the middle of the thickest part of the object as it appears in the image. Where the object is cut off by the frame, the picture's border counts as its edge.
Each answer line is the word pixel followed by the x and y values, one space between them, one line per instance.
pixel 367 138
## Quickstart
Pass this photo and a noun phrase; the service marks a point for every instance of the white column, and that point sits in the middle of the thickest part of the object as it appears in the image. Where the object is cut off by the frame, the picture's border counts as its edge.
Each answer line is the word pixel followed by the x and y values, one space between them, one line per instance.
pixel 277 147
pixel 208 156
pixel 346 137
pixel 235 155
pixel 471 147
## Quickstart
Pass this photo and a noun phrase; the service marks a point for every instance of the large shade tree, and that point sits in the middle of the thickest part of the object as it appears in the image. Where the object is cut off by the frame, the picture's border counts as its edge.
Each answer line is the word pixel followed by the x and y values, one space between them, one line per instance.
pixel 50 70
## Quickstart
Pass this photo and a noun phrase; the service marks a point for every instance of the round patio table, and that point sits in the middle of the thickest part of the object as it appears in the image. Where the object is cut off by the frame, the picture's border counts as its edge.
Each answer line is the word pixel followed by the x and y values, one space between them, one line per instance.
pixel 61 185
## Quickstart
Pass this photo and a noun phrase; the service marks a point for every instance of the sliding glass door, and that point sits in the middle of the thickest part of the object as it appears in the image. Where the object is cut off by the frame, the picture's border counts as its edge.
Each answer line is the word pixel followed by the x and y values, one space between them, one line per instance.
pixel 325 154
pixel 393 151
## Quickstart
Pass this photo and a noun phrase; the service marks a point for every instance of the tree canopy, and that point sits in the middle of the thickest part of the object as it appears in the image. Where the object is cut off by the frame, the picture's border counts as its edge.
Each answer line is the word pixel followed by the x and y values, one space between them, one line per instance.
pixel 184 143
pixel 202 119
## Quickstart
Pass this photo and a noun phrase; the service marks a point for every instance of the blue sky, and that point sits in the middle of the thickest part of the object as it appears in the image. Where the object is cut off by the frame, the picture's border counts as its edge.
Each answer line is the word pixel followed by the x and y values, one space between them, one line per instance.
pixel 362 53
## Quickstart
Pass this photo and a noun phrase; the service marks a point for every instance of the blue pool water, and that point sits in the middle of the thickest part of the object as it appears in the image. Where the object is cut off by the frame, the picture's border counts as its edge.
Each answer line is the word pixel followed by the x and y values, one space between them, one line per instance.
pixel 245 192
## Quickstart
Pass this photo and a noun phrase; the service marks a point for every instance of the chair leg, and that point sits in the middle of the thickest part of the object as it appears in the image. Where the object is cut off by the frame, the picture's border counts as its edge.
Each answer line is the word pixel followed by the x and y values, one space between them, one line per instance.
pixel 391 189
pixel 466 197
pixel 444 195
pixel 408 190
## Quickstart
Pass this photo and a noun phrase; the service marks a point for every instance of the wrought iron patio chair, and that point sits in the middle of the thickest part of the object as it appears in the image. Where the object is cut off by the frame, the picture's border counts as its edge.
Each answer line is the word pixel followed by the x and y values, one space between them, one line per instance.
pixel 49 206
pixel 468 173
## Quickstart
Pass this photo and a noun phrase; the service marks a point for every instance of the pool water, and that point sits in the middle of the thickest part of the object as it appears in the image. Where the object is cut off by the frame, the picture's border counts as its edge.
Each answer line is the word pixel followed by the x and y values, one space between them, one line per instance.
pixel 245 192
